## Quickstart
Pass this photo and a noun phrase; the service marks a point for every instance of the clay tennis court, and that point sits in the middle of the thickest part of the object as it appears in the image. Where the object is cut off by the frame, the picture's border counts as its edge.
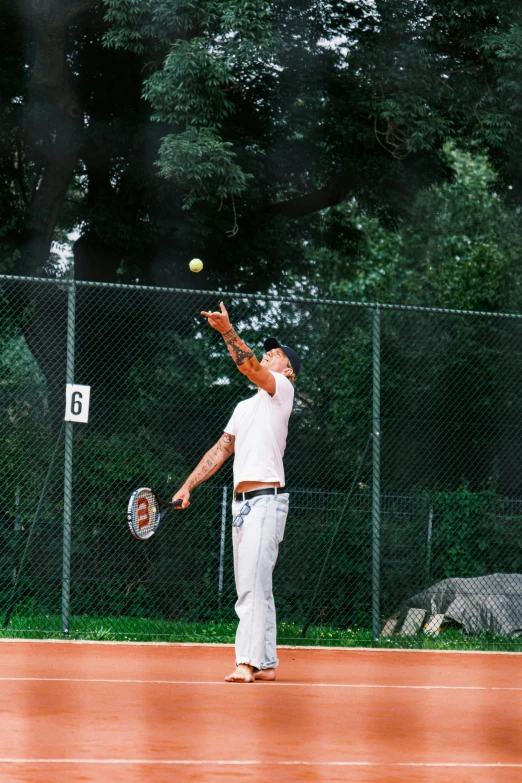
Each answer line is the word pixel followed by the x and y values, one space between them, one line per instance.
pixel 80 711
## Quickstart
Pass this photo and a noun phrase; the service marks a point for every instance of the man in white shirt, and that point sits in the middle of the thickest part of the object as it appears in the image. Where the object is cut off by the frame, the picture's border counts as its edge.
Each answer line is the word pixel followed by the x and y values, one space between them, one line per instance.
pixel 256 434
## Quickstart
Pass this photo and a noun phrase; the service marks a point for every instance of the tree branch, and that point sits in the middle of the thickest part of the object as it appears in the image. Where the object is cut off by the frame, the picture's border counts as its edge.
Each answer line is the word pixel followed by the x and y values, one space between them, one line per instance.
pixel 56 12
pixel 20 170
pixel 78 7
pixel 329 196
pixel 52 94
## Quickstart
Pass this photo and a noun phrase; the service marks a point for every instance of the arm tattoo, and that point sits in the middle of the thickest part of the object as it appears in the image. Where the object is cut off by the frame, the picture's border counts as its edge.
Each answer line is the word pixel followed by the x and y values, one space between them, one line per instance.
pixel 210 463
pixel 228 445
pixel 238 352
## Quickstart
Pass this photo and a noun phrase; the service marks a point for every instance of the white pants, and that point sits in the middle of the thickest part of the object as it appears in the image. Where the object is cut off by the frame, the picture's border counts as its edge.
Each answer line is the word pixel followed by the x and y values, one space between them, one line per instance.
pixel 256 536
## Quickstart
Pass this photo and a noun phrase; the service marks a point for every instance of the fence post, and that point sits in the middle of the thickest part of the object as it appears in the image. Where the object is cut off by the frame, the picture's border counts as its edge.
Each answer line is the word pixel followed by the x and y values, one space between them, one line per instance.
pixel 376 481
pixel 428 547
pixel 222 546
pixel 16 525
pixel 68 467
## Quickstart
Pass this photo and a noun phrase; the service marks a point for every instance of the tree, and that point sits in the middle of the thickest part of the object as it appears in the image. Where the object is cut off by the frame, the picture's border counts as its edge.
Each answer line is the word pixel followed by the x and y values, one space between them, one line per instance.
pixel 450 402
pixel 259 116
pixel 44 117
pixel 459 247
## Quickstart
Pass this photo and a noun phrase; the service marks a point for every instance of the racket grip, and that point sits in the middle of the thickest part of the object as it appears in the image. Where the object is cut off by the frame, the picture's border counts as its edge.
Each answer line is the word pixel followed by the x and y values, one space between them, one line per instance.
pixel 176 503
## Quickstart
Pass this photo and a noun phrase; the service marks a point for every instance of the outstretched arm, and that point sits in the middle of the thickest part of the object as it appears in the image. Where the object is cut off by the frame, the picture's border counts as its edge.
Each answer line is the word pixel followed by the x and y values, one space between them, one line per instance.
pixel 210 464
pixel 244 358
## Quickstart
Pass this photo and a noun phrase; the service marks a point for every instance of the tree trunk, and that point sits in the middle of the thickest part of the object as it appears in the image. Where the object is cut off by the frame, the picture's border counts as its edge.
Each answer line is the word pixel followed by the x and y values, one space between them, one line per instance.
pixel 53 127
pixel 53 124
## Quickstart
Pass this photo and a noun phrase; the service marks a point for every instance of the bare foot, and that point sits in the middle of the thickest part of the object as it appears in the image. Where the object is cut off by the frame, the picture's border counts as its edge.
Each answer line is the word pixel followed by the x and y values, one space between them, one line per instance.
pixel 266 675
pixel 243 673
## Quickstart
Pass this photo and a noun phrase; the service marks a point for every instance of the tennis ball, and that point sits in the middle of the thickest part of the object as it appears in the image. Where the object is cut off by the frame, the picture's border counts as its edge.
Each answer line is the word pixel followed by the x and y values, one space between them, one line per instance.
pixel 196 265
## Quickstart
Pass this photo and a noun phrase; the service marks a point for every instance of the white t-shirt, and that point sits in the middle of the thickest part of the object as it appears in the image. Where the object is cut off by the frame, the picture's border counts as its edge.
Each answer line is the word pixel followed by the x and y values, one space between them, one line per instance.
pixel 260 427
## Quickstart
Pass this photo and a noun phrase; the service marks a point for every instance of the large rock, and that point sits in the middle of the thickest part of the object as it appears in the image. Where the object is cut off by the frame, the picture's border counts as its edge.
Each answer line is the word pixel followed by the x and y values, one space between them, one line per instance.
pixel 486 603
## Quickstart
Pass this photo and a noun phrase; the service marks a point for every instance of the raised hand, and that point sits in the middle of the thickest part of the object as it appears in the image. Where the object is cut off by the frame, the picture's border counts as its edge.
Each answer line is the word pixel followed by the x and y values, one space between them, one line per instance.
pixel 219 321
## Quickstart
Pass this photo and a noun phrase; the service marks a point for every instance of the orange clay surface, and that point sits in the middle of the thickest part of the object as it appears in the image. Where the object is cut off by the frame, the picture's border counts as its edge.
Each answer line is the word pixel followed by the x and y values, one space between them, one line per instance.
pixel 136 712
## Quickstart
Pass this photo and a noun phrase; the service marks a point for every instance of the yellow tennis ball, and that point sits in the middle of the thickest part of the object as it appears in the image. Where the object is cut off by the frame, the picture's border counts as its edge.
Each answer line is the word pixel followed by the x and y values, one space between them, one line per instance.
pixel 196 265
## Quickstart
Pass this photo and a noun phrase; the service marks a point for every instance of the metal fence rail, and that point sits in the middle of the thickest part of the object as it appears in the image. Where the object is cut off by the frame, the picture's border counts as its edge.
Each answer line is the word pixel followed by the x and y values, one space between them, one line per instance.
pixel 438 393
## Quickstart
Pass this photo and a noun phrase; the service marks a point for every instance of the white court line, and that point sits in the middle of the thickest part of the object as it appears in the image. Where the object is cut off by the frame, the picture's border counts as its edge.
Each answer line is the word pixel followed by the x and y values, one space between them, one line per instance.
pixel 265 684
pixel 250 763
pixel 230 645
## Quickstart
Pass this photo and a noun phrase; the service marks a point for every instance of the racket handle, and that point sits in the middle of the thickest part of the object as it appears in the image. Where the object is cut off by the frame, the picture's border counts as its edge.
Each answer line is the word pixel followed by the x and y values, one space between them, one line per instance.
pixel 169 503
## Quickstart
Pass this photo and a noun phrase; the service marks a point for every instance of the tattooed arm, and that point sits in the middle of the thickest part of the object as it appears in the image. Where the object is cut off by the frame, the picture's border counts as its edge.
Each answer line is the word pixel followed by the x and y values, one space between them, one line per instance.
pixel 210 464
pixel 243 357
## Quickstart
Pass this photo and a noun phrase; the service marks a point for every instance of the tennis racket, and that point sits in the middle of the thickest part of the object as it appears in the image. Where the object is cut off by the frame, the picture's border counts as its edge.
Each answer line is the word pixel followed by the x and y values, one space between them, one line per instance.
pixel 143 512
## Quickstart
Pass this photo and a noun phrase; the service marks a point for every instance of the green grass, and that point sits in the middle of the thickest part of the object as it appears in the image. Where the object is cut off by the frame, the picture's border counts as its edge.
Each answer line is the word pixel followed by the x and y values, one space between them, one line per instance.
pixel 146 630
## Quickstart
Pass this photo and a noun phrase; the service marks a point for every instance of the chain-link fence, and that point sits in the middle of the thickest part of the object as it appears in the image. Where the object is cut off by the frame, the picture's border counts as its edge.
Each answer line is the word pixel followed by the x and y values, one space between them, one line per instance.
pixel 404 461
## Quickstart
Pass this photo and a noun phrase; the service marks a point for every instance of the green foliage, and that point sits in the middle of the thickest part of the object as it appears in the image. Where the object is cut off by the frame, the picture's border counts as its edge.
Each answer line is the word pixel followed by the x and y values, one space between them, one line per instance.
pixel 459 247
pixel 242 106
pixel 467 239
pixel 135 23
pixel 474 535
pixel 33 625
pixel 204 47
pixel 203 164
pixel 190 89
pixel 22 409
pixel 433 60
pixel 450 408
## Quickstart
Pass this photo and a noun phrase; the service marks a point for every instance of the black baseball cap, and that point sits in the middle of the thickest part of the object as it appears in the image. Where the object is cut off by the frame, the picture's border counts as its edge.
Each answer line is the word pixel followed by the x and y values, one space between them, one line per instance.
pixel 271 343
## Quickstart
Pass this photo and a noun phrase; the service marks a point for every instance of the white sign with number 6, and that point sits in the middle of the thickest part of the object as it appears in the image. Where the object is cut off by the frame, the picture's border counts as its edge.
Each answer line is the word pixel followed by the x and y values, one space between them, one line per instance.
pixel 77 403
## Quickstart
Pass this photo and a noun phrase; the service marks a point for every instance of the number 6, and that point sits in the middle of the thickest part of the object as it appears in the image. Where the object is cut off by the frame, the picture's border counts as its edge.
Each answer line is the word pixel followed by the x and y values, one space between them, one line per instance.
pixel 76 403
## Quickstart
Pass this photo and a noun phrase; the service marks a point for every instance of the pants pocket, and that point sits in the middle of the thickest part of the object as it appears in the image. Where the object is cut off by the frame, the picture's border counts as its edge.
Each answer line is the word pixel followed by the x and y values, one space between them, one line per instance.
pixel 281 515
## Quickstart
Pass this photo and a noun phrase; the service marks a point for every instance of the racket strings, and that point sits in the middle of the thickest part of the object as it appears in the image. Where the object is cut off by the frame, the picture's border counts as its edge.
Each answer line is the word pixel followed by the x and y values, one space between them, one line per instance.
pixel 145 513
